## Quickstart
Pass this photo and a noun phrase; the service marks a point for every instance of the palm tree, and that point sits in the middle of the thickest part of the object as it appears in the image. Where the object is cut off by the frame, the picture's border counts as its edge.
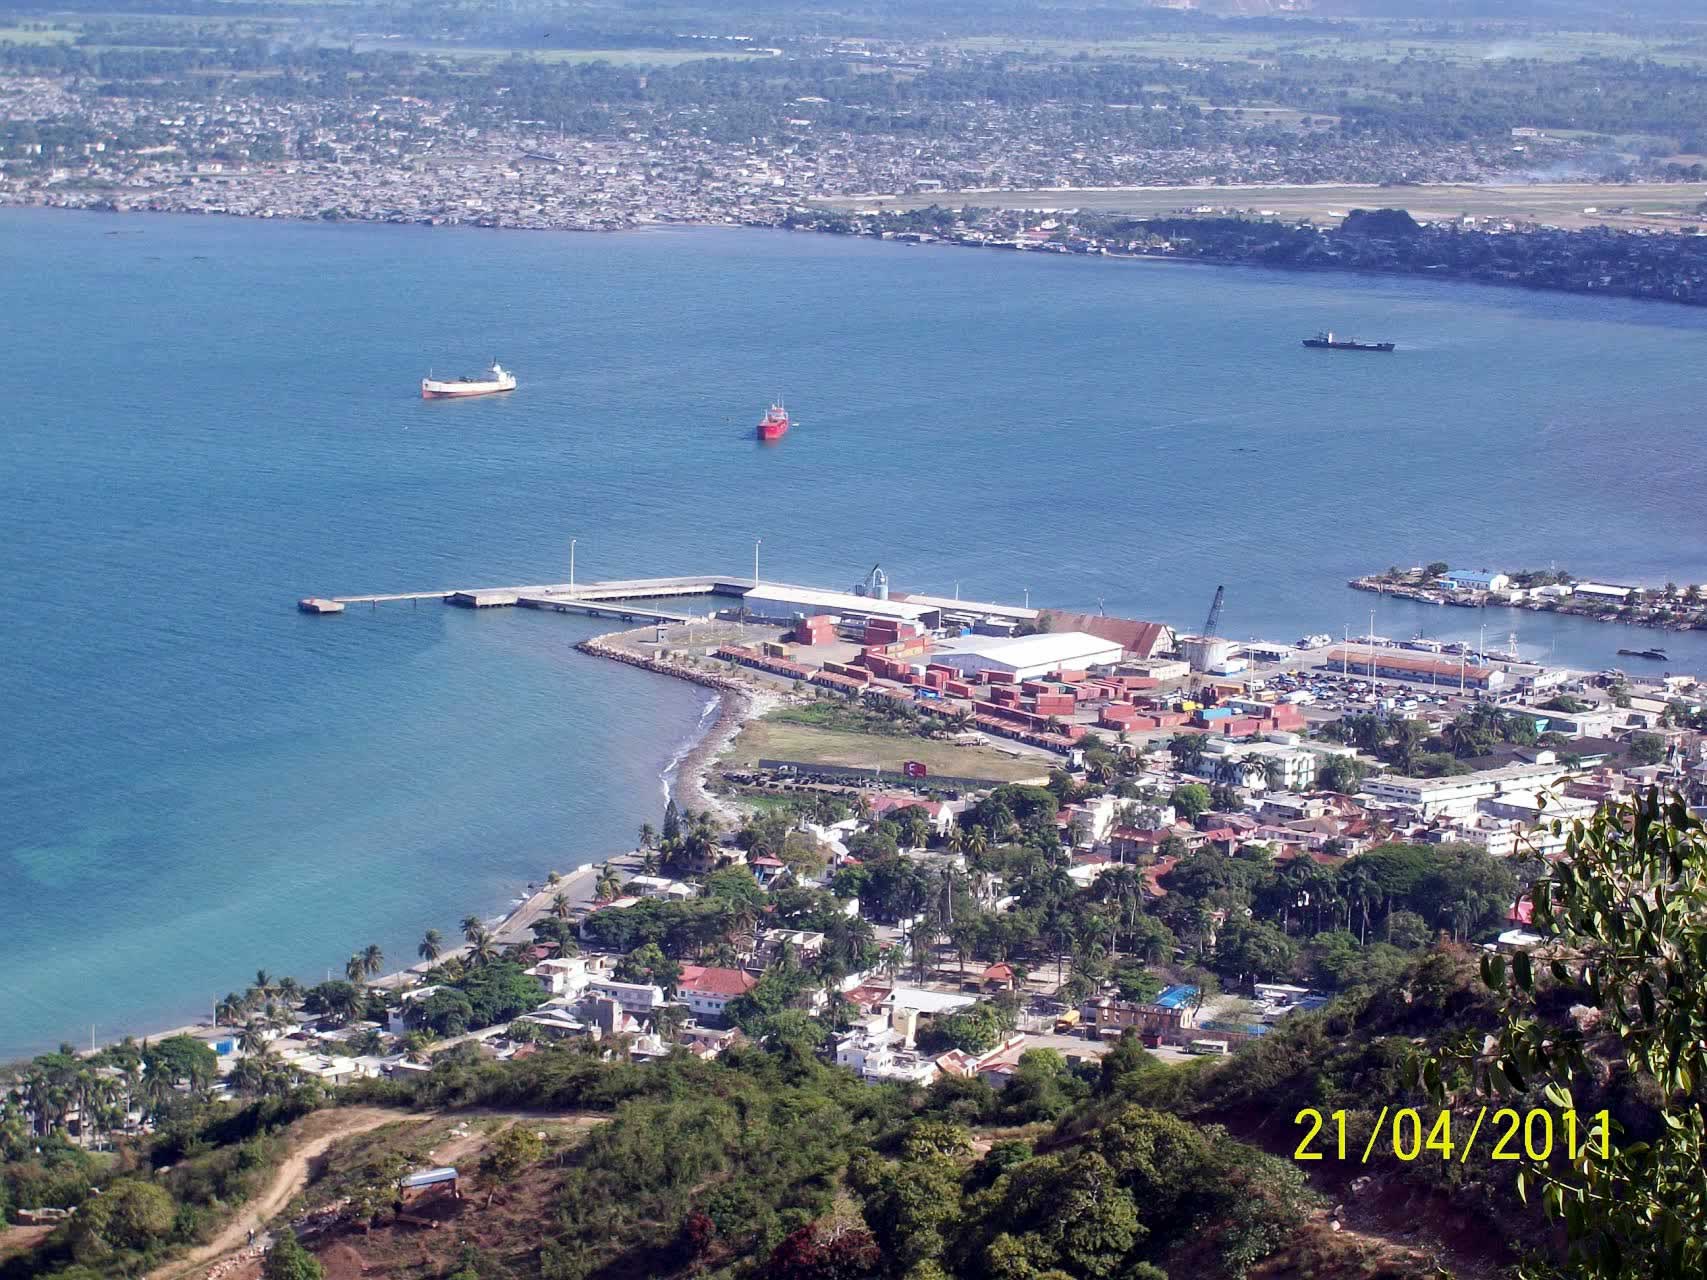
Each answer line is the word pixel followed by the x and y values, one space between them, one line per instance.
pixel 289 991
pixel 977 843
pixel 472 927
pixel 252 1039
pixel 560 906
pixel 956 841
pixel 889 961
pixel 373 960
pixel 228 1010
pixel 415 1046
pixel 648 836
pixel 355 969
pixel 264 986
pixel 432 946
pixel 649 863
pixel 248 1077
pixel 482 949
pixel 552 879
pixel 608 885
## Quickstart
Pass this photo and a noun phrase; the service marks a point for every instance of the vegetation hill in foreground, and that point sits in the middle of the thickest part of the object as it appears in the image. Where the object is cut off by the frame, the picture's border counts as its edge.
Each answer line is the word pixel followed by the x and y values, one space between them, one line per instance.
pixel 770 1163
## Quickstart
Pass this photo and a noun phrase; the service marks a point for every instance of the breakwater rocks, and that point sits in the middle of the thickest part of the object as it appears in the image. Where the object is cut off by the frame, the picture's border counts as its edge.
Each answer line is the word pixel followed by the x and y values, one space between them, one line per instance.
pixel 601 648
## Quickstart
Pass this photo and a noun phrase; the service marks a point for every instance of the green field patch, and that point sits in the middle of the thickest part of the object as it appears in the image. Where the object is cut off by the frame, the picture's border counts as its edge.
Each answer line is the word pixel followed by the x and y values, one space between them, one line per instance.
pixel 770 739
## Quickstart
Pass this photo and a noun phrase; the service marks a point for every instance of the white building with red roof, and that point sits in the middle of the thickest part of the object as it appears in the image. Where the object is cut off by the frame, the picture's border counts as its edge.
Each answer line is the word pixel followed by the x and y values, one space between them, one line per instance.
pixel 707 990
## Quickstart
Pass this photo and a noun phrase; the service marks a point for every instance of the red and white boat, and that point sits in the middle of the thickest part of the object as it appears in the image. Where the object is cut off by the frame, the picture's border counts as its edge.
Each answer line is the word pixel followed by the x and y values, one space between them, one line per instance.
pixel 774 425
pixel 496 379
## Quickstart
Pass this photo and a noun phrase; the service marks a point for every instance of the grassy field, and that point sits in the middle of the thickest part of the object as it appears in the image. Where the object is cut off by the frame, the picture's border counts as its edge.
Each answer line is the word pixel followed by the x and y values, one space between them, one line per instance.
pixel 1665 205
pixel 772 740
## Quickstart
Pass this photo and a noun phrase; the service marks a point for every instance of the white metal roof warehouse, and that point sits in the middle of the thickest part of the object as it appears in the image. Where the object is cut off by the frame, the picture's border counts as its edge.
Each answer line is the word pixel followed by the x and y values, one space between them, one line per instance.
pixel 1027 657
pixel 777 600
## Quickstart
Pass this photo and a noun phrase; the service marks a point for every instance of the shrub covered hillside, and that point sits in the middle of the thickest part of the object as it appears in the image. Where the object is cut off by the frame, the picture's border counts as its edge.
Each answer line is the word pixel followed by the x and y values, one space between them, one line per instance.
pixel 770 1163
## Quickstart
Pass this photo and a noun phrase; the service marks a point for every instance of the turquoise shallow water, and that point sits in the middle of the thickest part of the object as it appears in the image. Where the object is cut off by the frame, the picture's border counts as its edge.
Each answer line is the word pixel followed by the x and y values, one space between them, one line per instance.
pixel 206 419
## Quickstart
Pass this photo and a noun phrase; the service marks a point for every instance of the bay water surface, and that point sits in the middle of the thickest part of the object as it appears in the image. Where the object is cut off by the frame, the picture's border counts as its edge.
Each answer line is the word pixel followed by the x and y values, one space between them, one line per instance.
pixel 206 419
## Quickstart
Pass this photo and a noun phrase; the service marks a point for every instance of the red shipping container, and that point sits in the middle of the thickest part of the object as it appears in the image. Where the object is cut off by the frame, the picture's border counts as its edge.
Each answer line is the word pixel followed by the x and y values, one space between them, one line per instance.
pixel 999 677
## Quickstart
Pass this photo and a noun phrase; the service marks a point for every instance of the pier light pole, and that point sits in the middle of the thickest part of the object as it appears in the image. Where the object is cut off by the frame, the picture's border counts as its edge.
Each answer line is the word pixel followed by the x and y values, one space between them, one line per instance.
pixel 1027 597
pixel 571 566
pixel 756 542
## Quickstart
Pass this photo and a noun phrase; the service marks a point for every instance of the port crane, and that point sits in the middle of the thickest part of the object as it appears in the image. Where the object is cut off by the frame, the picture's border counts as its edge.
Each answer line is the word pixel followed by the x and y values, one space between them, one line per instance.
pixel 1214 619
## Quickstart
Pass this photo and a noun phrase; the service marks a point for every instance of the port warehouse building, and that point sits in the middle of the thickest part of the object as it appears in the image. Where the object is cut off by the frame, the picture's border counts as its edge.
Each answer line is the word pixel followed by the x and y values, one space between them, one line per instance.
pixel 1398 666
pixel 779 602
pixel 776 602
pixel 1028 657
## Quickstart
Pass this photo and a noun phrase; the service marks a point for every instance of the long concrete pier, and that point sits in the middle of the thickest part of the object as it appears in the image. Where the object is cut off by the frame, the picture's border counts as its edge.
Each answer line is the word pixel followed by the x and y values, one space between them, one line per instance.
pixel 594 599
pixel 617 598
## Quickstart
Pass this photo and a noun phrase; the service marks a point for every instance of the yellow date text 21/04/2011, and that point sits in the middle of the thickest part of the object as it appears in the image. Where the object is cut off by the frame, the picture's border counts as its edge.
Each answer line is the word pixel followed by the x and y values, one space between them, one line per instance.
pixel 1510 1135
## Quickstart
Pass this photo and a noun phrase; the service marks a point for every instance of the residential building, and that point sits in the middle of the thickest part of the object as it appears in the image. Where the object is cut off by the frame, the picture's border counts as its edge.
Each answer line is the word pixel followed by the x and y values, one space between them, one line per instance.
pixel 1090 822
pixel 804 944
pixel 640 999
pixel 1475 580
pixel 660 887
pixel 707 991
pixel 1458 797
pixel 567 976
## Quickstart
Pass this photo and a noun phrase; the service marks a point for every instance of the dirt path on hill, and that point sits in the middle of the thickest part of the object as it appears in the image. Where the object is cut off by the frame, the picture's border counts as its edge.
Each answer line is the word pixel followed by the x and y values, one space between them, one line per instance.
pixel 289 1180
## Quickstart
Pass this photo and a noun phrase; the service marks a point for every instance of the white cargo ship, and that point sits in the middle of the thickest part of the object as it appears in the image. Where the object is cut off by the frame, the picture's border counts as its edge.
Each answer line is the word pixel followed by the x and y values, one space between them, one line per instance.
pixel 494 380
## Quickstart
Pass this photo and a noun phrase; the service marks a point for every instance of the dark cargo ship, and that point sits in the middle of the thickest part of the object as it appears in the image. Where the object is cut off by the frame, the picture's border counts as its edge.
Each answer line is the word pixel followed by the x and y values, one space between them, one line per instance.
pixel 1327 342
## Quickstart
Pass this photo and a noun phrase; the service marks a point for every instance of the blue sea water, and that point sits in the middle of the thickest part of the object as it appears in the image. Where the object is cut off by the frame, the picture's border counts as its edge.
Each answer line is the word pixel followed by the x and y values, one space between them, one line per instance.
pixel 206 419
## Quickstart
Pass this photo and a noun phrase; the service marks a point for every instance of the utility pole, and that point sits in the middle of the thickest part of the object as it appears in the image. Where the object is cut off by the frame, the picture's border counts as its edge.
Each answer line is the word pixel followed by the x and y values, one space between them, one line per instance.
pixel 1372 646
pixel 756 542
pixel 1027 591
pixel 571 566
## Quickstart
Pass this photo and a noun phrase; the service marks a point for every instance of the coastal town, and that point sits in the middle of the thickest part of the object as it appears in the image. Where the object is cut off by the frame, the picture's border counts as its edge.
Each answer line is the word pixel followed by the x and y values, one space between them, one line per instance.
pixel 956 939
pixel 407 160
pixel 998 830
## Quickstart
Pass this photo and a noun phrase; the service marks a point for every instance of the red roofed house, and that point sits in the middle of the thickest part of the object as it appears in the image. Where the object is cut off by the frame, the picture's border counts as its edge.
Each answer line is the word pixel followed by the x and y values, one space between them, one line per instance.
pixel 708 991
pixel 998 977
